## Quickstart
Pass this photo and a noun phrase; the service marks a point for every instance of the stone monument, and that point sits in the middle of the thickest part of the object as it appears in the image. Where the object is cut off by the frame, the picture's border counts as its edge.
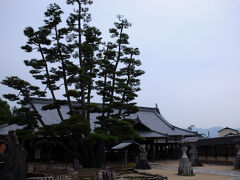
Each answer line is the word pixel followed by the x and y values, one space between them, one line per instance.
pixel 185 167
pixel 141 162
pixel 193 156
pixel 237 158
pixel 15 160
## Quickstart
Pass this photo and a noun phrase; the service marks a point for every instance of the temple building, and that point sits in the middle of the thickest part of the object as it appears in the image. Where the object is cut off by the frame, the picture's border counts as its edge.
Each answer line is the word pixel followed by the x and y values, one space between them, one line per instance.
pixel 161 139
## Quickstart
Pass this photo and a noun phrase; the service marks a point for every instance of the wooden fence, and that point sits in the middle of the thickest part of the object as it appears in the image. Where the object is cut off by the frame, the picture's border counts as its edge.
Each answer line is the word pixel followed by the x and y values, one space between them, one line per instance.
pixel 41 178
pixel 51 171
pixel 60 177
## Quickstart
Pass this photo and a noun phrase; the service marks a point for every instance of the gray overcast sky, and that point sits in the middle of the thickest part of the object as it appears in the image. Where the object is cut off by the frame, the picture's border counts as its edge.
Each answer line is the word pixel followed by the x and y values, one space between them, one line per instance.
pixel 190 50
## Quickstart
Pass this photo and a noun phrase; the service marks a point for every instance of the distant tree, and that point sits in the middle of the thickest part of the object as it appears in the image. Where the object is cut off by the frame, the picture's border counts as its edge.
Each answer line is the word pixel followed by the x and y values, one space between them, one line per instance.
pixel 75 60
pixel 5 112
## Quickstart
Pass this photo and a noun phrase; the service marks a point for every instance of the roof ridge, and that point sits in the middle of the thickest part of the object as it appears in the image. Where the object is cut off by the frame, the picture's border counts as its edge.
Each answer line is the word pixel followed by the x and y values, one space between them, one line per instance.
pixel 50 99
pixel 227 128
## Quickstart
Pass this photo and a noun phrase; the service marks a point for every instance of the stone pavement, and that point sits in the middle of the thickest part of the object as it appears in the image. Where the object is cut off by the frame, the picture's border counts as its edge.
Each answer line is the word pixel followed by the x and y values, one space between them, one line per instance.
pixel 235 174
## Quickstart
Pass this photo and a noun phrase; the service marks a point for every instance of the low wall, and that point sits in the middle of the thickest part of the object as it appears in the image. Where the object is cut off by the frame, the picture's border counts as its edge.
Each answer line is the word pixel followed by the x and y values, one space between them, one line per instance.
pixel 224 159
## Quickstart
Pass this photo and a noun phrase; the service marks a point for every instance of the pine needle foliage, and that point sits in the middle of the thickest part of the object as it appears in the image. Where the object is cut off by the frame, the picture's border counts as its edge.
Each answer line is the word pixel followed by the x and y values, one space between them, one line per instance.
pixel 74 59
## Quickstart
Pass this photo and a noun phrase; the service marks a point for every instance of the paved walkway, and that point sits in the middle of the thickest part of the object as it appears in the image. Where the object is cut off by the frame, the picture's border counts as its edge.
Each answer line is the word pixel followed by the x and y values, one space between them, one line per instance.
pixel 235 174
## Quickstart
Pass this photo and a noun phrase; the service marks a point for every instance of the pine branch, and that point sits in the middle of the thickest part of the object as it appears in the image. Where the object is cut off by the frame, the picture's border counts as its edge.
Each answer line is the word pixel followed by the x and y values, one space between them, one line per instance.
pixel 64 71
pixel 48 81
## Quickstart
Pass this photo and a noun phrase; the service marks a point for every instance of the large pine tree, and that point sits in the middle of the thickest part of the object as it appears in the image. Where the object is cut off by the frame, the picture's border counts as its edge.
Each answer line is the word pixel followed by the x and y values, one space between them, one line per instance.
pixel 75 60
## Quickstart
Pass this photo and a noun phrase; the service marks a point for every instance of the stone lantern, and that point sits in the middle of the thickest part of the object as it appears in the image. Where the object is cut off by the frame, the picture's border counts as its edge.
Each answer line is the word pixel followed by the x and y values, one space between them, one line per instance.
pixel 142 162
pixel 193 156
pixel 185 167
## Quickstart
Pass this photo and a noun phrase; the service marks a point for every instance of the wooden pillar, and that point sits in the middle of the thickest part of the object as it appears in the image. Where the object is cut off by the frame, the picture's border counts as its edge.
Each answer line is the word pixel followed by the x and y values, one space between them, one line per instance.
pixel 50 153
pixel 154 152
pixel 215 152
pixel 125 156
pixel 166 149
pixel 175 148
pixel 206 152
pixel 226 153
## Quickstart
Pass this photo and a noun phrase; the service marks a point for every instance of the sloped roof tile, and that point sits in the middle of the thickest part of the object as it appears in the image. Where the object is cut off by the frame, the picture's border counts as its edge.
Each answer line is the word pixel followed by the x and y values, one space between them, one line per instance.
pixel 4 129
pixel 147 116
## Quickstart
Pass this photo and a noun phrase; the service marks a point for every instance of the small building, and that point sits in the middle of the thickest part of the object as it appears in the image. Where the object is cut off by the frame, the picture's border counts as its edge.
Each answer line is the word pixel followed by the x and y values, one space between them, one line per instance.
pixel 227 132
pixel 126 151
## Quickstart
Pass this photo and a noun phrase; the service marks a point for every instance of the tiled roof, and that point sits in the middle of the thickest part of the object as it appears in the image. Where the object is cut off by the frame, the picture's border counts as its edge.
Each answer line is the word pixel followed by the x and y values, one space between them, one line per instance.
pixel 122 145
pixel 4 129
pixel 156 122
pixel 51 116
pixel 147 116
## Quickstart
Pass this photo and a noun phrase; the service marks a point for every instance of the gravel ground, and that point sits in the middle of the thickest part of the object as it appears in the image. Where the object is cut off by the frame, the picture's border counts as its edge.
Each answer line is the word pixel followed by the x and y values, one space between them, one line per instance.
pixel 207 172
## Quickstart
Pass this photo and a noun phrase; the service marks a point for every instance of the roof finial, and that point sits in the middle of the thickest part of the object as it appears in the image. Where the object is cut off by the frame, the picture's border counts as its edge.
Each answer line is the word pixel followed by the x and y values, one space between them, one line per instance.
pixel 156 108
